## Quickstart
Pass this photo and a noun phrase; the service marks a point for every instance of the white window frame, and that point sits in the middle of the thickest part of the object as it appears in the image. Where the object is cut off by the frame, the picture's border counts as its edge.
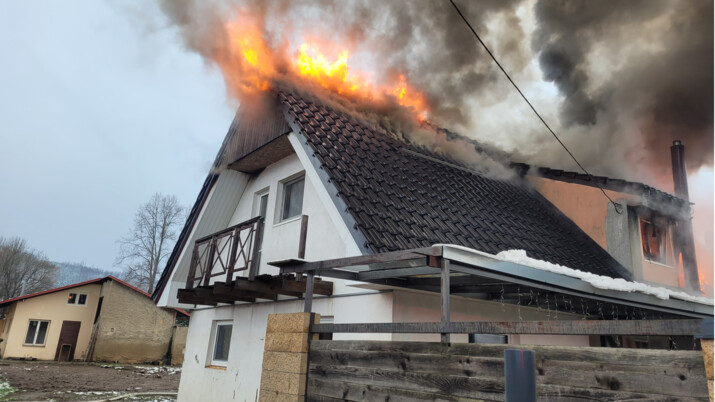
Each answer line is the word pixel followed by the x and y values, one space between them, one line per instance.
pixel 37 331
pixel 257 197
pixel 212 346
pixel 283 184
pixel 76 299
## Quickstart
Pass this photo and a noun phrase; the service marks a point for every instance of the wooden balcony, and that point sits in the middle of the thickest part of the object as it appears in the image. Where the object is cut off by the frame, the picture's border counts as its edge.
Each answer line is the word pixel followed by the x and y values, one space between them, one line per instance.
pixel 218 259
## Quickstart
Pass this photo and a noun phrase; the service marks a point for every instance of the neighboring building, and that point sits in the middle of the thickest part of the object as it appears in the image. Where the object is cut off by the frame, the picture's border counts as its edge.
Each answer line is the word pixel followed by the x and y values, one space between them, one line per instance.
pixel 104 319
pixel 297 181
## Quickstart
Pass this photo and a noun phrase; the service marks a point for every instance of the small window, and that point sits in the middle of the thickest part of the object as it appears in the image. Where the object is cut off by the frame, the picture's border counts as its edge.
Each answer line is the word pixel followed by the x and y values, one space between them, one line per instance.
pixel 36 332
pixel 72 298
pixel 260 205
pixel 221 343
pixel 292 198
pixel 82 299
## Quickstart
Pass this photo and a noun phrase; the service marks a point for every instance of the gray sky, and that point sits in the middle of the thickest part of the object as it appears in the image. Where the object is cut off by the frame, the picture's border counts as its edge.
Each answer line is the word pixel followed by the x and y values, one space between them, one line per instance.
pixel 97 113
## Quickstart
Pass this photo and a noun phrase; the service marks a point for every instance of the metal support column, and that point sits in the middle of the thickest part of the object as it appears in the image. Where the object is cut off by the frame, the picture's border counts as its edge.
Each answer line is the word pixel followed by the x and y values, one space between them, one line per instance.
pixel 445 297
pixel 308 306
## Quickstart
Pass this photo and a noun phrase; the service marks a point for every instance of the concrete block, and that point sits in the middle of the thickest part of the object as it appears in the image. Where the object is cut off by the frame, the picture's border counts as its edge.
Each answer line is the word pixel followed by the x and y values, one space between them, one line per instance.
pixel 287 383
pixel 294 322
pixel 286 362
pixel 707 346
pixel 274 396
pixel 286 342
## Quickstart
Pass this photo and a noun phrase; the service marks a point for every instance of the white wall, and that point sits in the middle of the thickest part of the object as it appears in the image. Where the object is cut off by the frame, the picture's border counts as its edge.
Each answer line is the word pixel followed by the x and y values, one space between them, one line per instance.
pixel 241 378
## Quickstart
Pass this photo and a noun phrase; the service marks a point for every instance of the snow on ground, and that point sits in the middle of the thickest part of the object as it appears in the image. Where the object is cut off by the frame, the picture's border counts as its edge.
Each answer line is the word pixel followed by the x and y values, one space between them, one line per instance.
pixel 599 281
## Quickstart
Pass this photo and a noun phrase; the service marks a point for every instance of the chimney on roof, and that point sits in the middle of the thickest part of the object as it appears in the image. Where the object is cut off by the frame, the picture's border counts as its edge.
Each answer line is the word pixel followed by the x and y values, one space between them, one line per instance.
pixel 684 242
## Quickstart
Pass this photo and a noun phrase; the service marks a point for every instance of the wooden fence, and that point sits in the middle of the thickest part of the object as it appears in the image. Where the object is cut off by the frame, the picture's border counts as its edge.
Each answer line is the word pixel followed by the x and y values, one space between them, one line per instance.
pixel 406 371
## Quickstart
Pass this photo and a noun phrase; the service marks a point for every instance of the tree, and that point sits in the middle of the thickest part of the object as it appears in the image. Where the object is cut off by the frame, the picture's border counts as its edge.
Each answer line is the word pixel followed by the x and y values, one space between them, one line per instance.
pixel 150 240
pixel 22 270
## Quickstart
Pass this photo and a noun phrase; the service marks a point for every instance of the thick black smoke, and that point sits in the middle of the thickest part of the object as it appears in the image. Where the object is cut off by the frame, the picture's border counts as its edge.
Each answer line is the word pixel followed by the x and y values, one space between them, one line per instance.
pixel 632 75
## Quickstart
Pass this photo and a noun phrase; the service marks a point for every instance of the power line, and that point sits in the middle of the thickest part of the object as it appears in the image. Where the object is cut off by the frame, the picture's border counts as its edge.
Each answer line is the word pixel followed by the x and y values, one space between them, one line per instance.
pixel 615 206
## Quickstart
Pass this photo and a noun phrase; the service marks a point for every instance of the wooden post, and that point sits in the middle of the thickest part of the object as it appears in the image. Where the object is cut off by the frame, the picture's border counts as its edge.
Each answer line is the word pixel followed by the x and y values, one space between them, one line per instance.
pixel 308 306
pixel 445 297
pixel 257 234
pixel 210 265
pixel 192 268
pixel 232 256
pixel 303 235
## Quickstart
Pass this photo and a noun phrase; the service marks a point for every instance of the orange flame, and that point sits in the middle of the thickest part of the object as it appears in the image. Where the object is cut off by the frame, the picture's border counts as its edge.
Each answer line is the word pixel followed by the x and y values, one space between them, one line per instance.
pixel 250 64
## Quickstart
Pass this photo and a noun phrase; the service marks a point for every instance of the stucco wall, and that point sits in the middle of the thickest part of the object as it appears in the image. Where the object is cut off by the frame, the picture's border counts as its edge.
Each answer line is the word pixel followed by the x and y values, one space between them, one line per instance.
pixel 240 379
pixel 52 307
pixel 131 327
pixel 6 324
pixel 178 345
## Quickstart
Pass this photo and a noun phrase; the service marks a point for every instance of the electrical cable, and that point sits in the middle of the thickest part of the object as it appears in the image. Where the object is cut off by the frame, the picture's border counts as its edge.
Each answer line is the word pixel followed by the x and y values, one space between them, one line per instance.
pixel 615 206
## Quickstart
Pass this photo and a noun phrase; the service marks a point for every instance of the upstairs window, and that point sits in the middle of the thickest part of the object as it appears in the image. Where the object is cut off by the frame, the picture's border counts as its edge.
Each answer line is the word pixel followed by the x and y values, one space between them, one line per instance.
pixel 654 238
pixel 79 299
pixel 36 332
pixel 292 198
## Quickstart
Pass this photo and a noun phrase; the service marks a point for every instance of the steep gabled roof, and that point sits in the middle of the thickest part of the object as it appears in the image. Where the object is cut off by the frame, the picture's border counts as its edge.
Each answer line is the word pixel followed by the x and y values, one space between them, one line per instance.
pixel 402 196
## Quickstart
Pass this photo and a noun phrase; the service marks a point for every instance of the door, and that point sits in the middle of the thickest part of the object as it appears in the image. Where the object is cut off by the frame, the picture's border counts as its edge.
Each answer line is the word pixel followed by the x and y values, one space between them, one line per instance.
pixel 68 341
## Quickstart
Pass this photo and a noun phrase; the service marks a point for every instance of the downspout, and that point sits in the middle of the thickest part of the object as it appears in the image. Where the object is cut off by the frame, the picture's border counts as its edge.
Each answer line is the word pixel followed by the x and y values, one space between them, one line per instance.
pixel 684 241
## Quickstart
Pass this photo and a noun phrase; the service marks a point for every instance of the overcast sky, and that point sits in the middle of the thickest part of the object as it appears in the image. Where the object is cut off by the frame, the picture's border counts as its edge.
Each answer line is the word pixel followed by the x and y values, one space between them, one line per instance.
pixel 96 115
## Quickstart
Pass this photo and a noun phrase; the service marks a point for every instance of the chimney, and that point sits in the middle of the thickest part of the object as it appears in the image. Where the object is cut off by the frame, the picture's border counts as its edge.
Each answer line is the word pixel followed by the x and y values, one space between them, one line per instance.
pixel 684 242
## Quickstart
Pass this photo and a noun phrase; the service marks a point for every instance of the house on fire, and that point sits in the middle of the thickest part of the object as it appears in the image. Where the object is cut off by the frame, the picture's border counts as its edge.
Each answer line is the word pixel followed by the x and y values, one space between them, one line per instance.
pixel 103 319
pixel 300 187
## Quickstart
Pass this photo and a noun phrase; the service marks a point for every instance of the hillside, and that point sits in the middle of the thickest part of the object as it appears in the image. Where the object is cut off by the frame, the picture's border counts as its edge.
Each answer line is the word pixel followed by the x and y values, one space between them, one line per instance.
pixel 73 273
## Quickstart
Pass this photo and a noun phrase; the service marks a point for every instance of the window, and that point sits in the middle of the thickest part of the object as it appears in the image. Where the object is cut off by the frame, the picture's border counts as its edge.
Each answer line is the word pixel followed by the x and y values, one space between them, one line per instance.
pixel 654 238
pixel 260 204
pixel 292 198
pixel 36 332
pixel 221 342
pixel 74 298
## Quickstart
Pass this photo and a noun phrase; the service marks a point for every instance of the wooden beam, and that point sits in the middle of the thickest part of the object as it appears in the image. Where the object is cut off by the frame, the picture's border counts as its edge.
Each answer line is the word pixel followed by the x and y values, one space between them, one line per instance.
pixel 444 293
pixel 308 303
pixel 360 260
pixel 303 236
pixel 571 327
pixel 189 297
pixel 230 291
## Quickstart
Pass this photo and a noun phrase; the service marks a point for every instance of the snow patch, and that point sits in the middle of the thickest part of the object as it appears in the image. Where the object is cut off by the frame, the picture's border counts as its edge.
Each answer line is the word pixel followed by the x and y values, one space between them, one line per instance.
pixel 599 281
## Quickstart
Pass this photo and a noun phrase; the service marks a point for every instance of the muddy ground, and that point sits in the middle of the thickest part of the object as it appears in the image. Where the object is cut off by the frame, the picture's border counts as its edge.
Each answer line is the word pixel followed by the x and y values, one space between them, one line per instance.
pixel 43 381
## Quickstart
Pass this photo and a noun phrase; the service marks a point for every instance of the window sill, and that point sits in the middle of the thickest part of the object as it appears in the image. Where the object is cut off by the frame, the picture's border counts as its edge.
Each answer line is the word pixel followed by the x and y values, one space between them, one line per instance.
pixel 30 345
pixel 662 264
pixel 289 220
pixel 214 367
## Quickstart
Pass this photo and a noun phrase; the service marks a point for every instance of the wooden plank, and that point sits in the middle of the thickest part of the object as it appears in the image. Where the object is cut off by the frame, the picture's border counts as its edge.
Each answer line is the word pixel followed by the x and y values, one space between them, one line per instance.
pixel 675 358
pixel 572 327
pixel 223 289
pixel 469 387
pixel 345 391
pixel 659 379
pixel 187 296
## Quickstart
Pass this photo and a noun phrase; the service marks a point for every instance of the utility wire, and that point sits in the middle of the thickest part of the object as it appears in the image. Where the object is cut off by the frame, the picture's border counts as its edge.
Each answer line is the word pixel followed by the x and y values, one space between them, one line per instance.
pixel 615 206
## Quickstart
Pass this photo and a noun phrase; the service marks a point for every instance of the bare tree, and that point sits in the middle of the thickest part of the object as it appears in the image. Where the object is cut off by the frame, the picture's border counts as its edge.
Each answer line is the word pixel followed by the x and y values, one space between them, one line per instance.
pixel 150 240
pixel 22 270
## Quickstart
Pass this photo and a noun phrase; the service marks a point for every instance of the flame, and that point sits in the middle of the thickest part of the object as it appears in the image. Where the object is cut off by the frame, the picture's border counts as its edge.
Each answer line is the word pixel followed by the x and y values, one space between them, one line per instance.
pixel 251 64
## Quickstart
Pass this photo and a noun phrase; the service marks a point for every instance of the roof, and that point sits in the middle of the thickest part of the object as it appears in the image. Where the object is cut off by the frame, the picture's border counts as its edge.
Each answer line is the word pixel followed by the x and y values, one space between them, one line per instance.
pixel 402 196
pixel 75 285
pixel 607 183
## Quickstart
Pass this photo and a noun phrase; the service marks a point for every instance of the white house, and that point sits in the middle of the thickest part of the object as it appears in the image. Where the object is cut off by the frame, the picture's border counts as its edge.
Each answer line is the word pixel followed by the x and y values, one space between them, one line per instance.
pixel 326 185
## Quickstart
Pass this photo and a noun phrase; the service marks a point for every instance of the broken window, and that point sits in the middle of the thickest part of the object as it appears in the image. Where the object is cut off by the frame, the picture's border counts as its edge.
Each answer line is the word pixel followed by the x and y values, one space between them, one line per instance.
pixel 654 237
pixel 72 298
pixel 36 332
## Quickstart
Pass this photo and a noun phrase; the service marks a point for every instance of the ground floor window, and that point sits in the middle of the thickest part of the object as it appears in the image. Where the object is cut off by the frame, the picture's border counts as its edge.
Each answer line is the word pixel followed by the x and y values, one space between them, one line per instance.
pixel 36 332
pixel 221 342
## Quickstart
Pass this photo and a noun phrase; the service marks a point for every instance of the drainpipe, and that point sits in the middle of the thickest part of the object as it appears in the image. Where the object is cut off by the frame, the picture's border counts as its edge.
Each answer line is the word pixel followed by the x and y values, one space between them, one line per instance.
pixel 684 240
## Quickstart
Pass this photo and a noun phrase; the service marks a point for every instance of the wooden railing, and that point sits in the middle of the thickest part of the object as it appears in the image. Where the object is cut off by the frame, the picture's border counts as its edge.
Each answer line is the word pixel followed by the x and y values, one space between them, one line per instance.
pixel 226 252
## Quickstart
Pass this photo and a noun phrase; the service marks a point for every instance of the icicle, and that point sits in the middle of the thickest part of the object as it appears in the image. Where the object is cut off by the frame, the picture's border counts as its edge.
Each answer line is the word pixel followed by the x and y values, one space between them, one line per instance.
pixel 501 298
pixel 518 302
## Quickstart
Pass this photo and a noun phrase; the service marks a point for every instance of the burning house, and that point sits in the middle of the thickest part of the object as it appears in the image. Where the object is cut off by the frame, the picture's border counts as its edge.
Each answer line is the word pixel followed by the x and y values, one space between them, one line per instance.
pixel 334 196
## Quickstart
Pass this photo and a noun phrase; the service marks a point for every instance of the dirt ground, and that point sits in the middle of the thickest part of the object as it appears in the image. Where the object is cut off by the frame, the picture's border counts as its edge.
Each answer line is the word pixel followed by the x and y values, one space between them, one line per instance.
pixel 43 381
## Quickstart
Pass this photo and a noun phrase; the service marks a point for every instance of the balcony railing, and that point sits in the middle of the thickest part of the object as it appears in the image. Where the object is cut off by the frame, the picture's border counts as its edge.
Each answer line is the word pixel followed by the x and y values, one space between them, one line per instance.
pixel 224 253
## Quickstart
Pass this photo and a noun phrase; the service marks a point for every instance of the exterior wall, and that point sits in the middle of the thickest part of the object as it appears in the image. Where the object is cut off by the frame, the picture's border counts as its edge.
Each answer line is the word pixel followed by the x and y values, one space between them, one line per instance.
pixel 416 306
pixel 52 307
pixel 178 345
pixel 240 379
pixel 131 328
pixel 619 234
pixel 6 324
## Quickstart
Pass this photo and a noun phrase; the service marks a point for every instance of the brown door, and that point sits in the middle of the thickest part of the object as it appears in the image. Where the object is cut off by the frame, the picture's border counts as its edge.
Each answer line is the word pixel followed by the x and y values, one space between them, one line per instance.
pixel 68 341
